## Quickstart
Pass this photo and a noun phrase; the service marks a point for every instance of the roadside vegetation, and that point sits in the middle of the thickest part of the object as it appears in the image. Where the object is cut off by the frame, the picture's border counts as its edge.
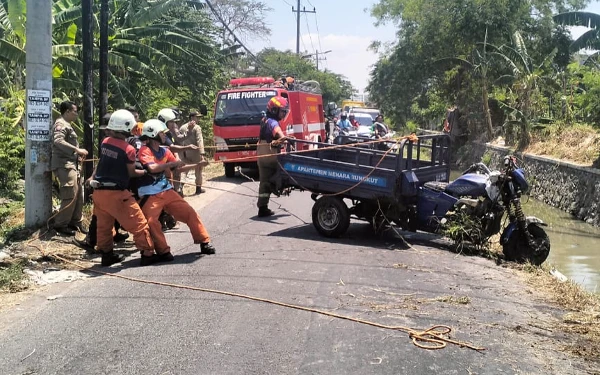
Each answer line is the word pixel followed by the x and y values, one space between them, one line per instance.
pixel 511 68
pixel 165 53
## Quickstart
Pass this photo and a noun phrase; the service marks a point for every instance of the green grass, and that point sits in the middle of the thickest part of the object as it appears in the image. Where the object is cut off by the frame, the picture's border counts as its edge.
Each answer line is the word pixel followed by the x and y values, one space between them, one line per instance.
pixel 12 277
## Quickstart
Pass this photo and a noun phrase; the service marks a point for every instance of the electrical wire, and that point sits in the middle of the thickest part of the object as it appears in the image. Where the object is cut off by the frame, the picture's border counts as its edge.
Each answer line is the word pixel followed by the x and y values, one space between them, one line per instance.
pixel 235 38
pixel 435 337
pixel 319 37
pixel 310 36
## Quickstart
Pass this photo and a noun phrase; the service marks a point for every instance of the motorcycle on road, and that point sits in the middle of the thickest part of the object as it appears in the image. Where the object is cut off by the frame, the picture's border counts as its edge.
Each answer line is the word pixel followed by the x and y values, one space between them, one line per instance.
pixel 487 197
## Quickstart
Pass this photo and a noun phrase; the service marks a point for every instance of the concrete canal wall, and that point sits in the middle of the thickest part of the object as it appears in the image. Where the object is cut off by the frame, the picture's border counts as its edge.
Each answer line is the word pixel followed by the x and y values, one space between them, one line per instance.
pixel 563 185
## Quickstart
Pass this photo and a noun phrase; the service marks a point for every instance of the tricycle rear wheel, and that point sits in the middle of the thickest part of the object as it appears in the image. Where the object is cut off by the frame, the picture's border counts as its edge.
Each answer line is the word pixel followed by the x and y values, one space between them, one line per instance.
pixel 331 216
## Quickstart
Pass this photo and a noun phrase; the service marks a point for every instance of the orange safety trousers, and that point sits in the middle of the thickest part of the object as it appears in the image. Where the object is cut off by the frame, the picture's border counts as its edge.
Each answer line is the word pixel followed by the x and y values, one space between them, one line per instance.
pixel 175 205
pixel 111 205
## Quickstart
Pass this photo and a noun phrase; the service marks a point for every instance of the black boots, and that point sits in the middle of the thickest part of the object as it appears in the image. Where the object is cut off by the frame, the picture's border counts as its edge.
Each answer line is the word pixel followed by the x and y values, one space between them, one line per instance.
pixel 207 249
pixel 110 258
pixel 156 258
pixel 199 190
pixel 264 212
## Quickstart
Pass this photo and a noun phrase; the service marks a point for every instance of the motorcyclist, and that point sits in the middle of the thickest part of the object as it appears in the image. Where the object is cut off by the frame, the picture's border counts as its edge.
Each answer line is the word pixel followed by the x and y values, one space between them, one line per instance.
pixel 344 124
pixel 270 130
pixel 352 119
pixel 380 131
pixel 379 128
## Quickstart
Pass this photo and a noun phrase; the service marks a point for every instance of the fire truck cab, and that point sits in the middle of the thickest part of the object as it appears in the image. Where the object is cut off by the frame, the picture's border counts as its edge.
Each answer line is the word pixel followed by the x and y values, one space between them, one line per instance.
pixel 240 108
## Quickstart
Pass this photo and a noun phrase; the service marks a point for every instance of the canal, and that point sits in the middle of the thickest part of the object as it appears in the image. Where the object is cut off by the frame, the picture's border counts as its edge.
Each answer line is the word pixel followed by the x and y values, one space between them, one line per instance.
pixel 575 245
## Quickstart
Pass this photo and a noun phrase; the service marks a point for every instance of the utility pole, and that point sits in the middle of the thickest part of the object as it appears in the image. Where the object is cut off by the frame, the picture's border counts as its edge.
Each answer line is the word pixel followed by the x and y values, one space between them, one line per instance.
pixel 298 11
pixel 38 113
pixel 103 62
pixel 87 45
pixel 317 58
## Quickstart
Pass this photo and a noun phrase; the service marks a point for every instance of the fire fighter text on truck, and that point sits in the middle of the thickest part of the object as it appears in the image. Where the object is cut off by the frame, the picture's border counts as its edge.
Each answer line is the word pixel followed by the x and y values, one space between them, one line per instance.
pixel 240 108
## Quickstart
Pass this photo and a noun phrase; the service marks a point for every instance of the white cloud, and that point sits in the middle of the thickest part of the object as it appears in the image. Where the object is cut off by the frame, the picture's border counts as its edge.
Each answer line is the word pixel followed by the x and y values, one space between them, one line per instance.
pixel 349 55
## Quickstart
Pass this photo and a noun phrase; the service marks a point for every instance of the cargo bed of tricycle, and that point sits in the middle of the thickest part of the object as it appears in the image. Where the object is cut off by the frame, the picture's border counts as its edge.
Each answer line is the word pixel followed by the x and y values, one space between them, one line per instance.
pixel 359 171
pixel 367 176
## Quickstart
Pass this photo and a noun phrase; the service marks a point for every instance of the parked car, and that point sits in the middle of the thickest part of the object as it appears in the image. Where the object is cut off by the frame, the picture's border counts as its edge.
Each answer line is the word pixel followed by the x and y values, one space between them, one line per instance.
pixel 373 112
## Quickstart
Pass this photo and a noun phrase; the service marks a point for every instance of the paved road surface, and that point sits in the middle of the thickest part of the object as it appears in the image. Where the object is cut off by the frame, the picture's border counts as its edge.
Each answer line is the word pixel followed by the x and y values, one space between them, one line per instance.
pixel 105 325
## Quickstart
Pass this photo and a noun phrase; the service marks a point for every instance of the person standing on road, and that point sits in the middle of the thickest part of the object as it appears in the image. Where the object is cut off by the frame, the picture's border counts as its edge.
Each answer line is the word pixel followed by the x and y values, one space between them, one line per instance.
pixel 192 135
pixel 66 156
pixel 157 193
pixel 173 140
pixel 112 200
pixel 89 243
pixel 277 110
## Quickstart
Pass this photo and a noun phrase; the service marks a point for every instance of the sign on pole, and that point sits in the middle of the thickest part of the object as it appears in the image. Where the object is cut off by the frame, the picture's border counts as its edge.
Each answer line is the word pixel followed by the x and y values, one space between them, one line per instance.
pixel 39 115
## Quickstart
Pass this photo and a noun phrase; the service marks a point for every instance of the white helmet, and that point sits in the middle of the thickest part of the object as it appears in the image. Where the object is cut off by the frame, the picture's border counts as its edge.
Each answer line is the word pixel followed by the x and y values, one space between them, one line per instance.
pixel 152 127
pixel 121 121
pixel 166 114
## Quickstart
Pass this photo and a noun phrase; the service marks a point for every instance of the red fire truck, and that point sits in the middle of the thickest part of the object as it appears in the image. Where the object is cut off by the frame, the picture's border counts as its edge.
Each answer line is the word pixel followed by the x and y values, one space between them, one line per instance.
pixel 240 108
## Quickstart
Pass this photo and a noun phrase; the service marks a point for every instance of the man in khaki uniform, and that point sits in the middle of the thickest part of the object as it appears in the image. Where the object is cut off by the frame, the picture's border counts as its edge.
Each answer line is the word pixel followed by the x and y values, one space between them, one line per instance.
pixel 192 135
pixel 65 161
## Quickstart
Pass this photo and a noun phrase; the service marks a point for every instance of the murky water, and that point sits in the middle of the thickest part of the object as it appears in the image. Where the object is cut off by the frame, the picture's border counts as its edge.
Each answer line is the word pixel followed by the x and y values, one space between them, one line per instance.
pixel 574 245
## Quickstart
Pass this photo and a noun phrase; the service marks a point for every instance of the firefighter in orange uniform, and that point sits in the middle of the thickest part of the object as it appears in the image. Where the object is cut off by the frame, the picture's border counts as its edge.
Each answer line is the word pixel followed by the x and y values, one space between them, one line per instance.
pixel 112 200
pixel 277 110
pixel 157 193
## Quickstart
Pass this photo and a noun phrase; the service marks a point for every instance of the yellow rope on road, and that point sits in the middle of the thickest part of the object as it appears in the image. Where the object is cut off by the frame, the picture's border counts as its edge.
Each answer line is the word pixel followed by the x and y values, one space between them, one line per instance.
pixel 431 338
pixel 434 337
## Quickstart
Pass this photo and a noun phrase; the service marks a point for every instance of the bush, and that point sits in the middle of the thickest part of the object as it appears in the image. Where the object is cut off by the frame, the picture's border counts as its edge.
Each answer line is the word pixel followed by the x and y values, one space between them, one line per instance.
pixel 12 142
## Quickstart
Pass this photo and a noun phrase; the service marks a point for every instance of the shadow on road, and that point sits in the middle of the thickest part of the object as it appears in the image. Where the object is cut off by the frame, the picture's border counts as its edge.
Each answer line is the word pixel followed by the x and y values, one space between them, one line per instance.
pixel 362 234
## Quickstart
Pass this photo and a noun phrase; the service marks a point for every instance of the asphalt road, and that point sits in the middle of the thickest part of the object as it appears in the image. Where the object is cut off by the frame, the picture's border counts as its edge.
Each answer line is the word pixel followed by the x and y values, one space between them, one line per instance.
pixel 106 325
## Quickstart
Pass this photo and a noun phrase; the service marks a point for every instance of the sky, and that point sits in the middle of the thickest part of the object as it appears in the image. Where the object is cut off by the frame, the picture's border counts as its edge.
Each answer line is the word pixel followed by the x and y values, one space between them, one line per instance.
pixel 343 26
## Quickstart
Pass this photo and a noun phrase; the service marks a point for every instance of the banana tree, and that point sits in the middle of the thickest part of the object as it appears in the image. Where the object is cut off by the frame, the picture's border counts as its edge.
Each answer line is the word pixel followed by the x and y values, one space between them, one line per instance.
pixel 526 83
pixel 480 65
pixel 588 40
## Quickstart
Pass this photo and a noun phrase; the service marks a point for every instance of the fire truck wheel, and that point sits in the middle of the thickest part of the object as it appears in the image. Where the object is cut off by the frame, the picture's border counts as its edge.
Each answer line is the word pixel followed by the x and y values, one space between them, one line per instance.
pixel 331 216
pixel 229 170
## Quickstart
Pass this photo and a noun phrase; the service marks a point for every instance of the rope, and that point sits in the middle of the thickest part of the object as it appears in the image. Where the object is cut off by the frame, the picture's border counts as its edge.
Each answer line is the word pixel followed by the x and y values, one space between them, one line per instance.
pixel 412 137
pixel 432 338
pixel 345 190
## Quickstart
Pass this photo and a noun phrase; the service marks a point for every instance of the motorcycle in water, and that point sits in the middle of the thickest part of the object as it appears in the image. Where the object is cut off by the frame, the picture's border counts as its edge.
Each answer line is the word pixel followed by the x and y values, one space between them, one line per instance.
pixel 485 197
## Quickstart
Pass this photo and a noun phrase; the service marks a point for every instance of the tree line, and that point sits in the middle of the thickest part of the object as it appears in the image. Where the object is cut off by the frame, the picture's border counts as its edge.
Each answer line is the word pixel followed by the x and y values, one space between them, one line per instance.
pixel 509 66
pixel 162 53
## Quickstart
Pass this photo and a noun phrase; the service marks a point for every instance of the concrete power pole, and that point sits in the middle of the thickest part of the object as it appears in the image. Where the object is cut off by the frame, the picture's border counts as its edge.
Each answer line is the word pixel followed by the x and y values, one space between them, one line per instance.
pixel 298 11
pixel 38 113
pixel 87 47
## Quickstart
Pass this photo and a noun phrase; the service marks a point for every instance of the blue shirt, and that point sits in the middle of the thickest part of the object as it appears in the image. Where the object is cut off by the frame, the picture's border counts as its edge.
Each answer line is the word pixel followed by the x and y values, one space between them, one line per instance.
pixel 344 124
pixel 152 185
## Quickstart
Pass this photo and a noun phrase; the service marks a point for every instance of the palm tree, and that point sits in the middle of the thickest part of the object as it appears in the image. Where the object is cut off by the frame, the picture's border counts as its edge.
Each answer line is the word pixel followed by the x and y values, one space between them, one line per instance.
pixel 591 38
pixel 142 45
pixel 525 84
pixel 480 65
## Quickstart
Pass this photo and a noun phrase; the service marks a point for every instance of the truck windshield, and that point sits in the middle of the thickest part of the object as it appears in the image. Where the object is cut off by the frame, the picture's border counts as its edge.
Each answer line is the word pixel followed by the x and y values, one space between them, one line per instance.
pixel 242 107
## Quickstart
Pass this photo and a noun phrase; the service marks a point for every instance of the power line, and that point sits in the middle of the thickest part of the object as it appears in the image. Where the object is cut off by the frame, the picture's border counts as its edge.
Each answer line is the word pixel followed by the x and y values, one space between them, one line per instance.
pixel 235 38
pixel 309 35
pixel 298 11
pixel 287 3
pixel 319 35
